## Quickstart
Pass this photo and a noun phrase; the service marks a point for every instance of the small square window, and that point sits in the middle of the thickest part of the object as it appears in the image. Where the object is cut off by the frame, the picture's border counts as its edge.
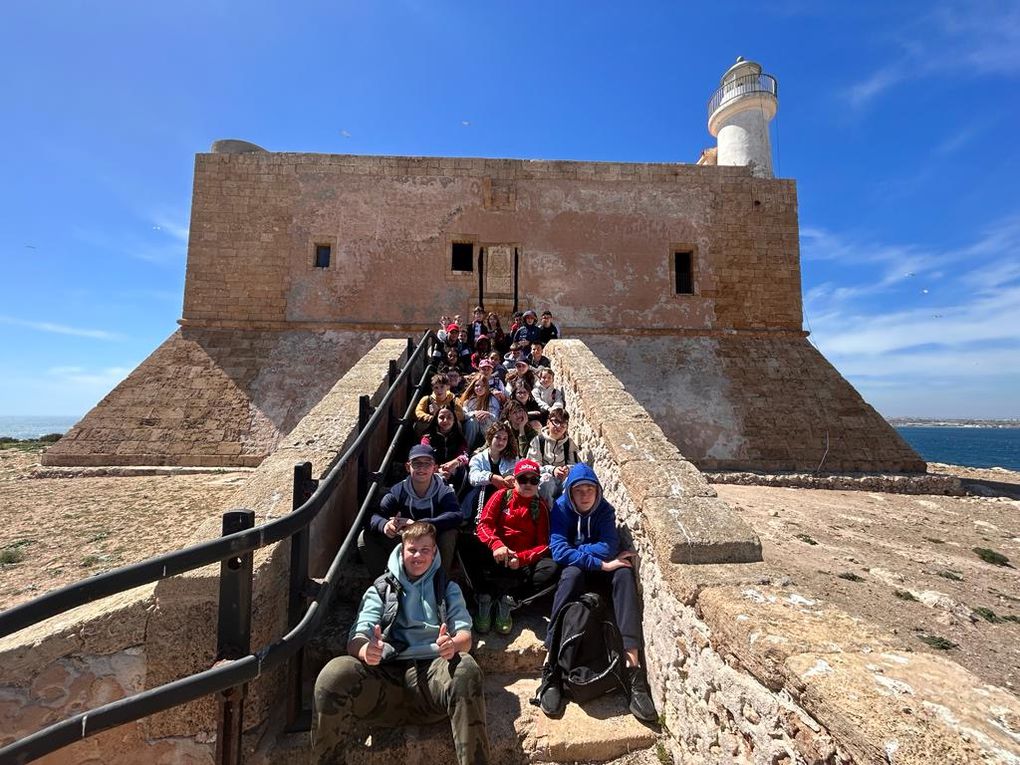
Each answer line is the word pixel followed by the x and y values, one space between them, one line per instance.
pixel 462 256
pixel 683 265
pixel 322 255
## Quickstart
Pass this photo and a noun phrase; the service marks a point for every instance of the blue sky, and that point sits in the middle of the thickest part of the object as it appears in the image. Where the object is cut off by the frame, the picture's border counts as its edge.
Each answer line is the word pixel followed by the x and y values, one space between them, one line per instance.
pixel 898 121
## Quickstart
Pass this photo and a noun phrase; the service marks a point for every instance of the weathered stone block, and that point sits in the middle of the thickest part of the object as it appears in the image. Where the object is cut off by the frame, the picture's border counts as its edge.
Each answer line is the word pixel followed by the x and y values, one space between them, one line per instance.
pixel 700 530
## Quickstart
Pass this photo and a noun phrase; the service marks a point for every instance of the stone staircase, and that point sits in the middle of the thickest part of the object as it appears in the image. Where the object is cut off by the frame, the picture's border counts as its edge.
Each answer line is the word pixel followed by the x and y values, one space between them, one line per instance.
pixel 603 732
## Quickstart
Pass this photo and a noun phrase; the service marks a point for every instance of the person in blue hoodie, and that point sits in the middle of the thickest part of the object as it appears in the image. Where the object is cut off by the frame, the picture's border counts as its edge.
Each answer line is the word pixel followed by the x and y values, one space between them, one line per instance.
pixel 584 541
pixel 407 662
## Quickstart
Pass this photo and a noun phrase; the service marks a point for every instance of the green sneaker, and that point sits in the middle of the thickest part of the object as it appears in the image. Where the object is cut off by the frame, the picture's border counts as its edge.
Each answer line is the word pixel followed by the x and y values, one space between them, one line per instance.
pixel 483 619
pixel 504 622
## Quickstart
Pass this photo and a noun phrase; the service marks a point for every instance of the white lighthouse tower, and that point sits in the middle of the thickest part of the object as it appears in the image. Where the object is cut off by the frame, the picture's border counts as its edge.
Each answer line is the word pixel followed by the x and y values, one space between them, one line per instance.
pixel 739 113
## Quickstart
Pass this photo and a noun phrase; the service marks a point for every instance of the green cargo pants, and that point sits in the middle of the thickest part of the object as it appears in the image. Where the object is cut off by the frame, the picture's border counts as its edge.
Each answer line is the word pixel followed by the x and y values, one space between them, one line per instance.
pixel 351 696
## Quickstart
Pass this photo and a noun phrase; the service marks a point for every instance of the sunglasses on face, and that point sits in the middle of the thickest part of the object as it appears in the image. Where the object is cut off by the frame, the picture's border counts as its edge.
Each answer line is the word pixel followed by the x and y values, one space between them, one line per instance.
pixel 530 480
pixel 557 424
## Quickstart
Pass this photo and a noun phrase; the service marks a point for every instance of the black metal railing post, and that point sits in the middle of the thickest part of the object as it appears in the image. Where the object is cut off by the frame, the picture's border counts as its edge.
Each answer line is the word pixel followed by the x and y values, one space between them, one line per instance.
pixel 233 636
pixel 364 413
pixel 410 377
pixel 304 486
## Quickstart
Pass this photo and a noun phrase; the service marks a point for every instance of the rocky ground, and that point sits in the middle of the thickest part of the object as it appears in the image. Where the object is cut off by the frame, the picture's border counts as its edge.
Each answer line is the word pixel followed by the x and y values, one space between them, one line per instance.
pixel 54 531
pixel 984 474
pixel 907 563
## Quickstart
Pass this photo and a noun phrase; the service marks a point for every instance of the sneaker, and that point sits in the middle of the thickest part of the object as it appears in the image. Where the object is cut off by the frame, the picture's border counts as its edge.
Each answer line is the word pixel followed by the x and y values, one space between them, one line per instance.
pixel 504 622
pixel 641 705
pixel 551 699
pixel 483 619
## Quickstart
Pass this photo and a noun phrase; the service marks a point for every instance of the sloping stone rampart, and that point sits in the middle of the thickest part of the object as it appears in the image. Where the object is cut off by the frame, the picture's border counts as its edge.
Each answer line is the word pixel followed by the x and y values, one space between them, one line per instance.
pixel 765 402
pixel 163 631
pixel 748 673
pixel 211 398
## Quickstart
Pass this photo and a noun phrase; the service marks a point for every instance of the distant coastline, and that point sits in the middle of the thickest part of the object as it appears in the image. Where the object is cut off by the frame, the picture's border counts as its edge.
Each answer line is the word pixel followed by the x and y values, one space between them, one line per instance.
pixel 27 428
pixel 926 422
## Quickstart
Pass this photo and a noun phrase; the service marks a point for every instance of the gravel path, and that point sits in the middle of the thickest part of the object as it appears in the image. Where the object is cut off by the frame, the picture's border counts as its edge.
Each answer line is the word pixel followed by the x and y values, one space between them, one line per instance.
pixel 55 531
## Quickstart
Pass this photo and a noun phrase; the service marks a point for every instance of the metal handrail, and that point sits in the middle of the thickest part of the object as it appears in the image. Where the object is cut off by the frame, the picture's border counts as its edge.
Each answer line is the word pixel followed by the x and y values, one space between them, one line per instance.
pixel 229 674
pixel 203 553
pixel 739 86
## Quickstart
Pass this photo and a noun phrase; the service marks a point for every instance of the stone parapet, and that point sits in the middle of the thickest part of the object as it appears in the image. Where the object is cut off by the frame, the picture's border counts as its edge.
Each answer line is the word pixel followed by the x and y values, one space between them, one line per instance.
pixel 678 507
pixel 912 483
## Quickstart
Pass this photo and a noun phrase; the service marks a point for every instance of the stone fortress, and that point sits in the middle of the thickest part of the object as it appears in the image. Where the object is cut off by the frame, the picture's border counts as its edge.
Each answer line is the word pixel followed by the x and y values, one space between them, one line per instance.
pixel 684 280
pixel 677 287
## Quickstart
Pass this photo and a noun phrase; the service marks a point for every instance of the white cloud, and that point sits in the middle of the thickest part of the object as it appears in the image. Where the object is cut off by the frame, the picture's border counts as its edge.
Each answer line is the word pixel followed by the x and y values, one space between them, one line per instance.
pixel 959 138
pixel 987 320
pixel 101 380
pixel 861 93
pixel 61 329
pixel 156 247
pixel 955 37
pixel 961 339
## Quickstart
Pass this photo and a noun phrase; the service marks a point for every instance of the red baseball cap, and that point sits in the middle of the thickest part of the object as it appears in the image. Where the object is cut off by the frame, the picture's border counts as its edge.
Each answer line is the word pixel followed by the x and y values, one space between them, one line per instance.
pixel 526 466
pixel 452 327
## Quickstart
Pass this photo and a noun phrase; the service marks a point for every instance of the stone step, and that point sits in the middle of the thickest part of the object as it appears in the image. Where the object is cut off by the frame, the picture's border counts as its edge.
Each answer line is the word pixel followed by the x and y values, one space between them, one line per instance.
pixel 519 653
pixel 602 732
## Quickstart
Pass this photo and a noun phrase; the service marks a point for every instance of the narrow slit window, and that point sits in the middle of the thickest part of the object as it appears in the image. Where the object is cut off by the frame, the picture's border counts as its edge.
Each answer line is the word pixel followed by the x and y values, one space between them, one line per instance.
pixel 462 256
pixel 323 253
pixel 683 269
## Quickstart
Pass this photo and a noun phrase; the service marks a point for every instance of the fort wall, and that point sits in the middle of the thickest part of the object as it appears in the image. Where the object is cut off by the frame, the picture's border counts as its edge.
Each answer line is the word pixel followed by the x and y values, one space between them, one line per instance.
pixel 746 401
pixel 726 370
pixel 210 397
pixel 594 241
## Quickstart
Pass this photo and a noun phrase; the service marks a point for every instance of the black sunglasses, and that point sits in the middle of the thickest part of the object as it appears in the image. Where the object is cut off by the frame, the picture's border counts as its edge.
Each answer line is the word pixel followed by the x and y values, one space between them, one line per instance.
pixel 531 481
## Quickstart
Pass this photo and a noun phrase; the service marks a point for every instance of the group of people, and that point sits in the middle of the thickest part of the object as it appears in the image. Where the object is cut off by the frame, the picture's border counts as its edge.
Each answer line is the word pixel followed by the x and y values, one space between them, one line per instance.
pixel 480 391
pixel 520 523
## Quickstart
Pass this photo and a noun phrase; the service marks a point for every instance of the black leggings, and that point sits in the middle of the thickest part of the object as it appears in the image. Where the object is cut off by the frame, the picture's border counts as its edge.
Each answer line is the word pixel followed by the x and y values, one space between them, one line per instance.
pixel 491 578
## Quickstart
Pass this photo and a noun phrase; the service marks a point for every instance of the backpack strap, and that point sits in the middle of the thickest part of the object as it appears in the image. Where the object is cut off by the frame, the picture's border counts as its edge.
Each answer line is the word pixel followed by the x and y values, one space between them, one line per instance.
pixel 552 656
pixel 439 585
pixel 389 589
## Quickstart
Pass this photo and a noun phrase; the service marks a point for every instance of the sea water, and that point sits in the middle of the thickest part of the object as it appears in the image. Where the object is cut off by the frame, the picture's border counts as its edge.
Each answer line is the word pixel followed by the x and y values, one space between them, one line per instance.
pixel 973 447
pixel 32 427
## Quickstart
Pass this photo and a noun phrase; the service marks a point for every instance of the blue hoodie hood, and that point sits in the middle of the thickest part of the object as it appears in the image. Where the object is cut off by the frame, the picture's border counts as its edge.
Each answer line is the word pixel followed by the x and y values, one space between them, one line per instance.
pixel 583 539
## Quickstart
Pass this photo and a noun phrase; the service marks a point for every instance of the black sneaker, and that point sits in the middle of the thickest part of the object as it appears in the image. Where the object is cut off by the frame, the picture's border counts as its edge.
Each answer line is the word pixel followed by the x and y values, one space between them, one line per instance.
pixel 641 705
pixel 551 698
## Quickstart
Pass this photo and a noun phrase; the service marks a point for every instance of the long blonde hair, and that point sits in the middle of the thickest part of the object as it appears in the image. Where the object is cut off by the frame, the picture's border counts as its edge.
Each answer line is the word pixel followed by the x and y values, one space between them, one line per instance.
pixel 481 402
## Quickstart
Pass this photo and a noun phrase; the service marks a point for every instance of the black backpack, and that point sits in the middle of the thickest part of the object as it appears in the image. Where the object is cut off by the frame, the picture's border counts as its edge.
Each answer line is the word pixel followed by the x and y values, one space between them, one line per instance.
pixel 390 589
pixel 586 650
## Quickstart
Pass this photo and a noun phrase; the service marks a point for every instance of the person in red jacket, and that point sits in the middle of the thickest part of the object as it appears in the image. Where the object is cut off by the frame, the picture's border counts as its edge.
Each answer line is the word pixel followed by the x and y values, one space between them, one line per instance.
pixel 515 564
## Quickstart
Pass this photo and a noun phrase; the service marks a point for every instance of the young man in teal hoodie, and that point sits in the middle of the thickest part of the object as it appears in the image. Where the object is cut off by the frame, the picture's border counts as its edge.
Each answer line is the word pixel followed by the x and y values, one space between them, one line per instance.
pixel 583 539
pixel 404 668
